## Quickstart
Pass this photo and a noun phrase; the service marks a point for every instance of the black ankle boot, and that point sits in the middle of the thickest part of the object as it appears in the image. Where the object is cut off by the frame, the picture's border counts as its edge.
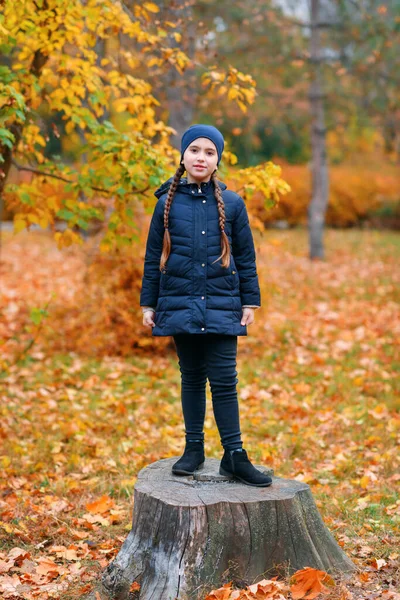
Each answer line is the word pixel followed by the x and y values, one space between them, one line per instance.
pixel 237 465
pixel 192 459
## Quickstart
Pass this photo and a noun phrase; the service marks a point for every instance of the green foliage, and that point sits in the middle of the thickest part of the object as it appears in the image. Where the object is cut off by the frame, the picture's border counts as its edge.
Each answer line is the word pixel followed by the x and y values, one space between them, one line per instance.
pixel 12 108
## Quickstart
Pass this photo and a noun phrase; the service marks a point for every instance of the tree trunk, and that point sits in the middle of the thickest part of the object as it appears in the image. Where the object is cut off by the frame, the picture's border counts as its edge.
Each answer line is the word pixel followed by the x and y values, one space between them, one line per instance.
pixel 192 534
pixel 319 167
pixel 38 62
pixel 180 89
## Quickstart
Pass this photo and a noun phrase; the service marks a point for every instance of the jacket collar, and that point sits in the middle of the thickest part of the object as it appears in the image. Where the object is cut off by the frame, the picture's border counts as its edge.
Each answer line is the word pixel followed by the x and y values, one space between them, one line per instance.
pixel 186 188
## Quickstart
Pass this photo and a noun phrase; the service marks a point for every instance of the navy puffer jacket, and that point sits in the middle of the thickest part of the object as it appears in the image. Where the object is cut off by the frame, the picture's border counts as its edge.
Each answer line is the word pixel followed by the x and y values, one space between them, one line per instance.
pixel 192 295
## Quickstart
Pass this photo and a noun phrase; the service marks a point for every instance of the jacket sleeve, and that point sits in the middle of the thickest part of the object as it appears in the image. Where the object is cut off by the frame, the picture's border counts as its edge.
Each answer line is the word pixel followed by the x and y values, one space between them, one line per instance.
pixel 151 271
pixel 245 256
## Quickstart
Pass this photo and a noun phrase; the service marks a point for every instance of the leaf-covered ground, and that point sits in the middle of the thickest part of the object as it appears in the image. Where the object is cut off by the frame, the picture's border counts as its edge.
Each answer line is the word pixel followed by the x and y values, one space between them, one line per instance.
pixel 319 402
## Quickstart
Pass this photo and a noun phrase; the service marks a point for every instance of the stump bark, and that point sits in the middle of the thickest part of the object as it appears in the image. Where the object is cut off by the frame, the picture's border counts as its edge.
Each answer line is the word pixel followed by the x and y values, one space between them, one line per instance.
pixel 191 534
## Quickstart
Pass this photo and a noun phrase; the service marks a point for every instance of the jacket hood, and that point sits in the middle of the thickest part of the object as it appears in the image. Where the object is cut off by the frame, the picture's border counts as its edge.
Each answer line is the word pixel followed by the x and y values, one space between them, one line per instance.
pixel 184 186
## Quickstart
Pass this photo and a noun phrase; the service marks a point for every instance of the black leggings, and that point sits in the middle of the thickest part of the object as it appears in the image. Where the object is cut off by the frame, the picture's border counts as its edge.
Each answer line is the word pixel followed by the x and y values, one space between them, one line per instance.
pixel 214 356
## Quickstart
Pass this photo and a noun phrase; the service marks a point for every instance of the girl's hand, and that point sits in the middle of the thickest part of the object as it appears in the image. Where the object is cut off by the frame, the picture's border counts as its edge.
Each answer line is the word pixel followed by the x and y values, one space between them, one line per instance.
pixel 247 316
pixel 148 318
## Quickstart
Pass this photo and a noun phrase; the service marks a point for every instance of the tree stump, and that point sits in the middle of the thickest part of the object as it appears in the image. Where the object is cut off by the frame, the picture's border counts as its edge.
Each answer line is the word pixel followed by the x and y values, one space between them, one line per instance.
pixel 191 534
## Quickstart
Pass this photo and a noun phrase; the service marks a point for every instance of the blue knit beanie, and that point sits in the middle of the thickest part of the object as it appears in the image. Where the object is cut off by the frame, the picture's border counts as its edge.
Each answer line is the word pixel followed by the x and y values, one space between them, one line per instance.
pixel 207 131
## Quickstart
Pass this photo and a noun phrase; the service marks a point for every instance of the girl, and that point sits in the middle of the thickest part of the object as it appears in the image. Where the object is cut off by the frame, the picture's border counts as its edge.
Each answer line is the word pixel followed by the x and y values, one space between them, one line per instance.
pixel 200 285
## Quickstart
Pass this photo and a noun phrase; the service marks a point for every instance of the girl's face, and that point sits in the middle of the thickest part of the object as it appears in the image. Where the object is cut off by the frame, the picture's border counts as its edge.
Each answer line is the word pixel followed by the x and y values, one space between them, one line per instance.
pixel 200 159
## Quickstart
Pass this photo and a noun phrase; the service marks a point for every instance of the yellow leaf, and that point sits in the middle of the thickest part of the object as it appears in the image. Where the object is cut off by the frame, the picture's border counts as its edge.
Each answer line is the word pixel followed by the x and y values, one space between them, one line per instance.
pixel 6 461
pixel 40 140
pixel 151 7
pixel 19 225
pixel 105 246
pixel 231 158
pixel 70 126
pixel 6 527
pixel 53 203
pixel 249 95
pixel 154 61
pixel 232 94
pixel 222 90
pixel 67 238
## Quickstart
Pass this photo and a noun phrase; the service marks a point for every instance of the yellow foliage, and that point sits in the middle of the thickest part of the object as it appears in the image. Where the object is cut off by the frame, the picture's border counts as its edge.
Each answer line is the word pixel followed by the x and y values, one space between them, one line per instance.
pixel 235 85
pixel 233 93
pixel 265 179
pixel 32 218
pixel 19 223
pixel 151 7
pixel 230 158
pixel 67 238
pixel 82 86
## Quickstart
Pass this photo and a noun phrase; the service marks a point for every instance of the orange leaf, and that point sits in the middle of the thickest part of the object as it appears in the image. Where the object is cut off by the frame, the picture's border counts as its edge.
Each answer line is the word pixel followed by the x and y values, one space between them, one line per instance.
pixel 100 505
pixel 268 588
pixel 10 585
pixel 18 555
pixel 48 567
pixel 134 586
pixel 5 566
pixel 309 583
pixel 222 593
pixel 378 563
pixel 80 535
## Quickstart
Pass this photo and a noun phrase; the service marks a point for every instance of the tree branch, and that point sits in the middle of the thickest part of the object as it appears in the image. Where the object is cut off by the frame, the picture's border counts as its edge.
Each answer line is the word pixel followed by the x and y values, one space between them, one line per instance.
pixel 319 25
pixel 60 178
pixel 322 58
pixel 38 172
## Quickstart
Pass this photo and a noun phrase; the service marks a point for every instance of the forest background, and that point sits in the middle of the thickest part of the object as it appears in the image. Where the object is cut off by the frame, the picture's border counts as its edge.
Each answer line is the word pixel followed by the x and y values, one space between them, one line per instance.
pixel 94 96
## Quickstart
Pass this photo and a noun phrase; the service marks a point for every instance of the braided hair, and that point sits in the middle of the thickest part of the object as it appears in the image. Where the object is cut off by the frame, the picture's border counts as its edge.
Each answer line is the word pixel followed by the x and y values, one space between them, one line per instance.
pixel 225 247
